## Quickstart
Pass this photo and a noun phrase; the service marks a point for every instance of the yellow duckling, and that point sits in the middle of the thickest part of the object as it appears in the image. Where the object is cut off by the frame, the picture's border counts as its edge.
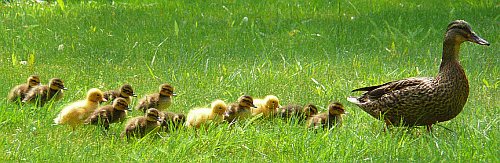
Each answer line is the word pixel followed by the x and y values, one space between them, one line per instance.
pixel 298 112
pixel 331 119
pixel 19 92
pixel 160 101
pixel 267 106
pixel 79 111
pixel 44 93
pixel 105 115
pixel 241 110
pixel 171 121
pixel 125 92
pixel 199 117
pixel 143 125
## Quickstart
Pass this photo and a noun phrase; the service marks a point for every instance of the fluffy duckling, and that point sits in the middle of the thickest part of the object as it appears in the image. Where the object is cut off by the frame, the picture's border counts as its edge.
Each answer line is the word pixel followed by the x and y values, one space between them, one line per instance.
pixel 199 117
pixel 125 92
pixel 18 93
pixel 45 93
pixel 298 112
pixel 330 119
pixel 171 121
pixel 105 115
pixel 79 111
pixel 241 110
pixel 267 106
pixel 143 125
pixel 160 101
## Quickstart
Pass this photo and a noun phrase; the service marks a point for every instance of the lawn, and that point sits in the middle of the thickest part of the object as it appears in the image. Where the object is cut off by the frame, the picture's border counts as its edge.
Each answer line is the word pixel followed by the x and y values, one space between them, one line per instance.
pixel 300 51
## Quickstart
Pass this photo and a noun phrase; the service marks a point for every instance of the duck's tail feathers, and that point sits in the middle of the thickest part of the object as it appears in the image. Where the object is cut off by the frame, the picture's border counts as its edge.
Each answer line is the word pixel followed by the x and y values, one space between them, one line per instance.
pixel 354 100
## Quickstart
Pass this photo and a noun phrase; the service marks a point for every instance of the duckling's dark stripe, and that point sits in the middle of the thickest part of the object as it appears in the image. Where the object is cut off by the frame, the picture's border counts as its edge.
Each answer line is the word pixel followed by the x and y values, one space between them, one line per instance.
pixel 247 101
pixel 128 91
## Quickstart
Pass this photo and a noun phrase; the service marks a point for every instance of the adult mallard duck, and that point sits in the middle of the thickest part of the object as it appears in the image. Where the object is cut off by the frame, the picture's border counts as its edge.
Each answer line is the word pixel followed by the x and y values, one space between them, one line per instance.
pixel 424 101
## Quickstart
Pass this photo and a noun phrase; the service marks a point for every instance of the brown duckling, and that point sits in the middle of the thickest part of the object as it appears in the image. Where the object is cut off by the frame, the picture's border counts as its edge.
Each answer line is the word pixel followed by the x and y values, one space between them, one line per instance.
pixel 125 92
pixel 105 115
pixel 298 112
pixel 205 117
pixel 160 100
pixel 424 101
pixel 267 106
pixel 18 93
pixel 44 93
pixel 143 125
pixel 75 113
pixel 241 110
pixel 171 121
pixel 329 120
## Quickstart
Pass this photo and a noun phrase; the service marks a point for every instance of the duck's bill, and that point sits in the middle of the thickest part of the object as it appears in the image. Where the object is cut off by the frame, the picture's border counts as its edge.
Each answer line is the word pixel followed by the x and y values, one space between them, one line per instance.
pixel 254 106
pixel 173 94
pixel 225 114
pixel 346 112
pixel 478 40
pixel 134 95
pixel 64 88
pixel 129 109
pixel 104 100
pixel 159 119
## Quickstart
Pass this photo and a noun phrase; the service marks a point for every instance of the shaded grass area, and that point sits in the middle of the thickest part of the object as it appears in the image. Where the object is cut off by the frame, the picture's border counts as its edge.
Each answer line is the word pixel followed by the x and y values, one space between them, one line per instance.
pixel 302 52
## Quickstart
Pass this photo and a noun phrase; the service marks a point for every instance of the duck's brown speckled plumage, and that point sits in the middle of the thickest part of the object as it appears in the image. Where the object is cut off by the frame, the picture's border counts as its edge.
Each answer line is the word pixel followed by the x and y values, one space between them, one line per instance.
pixel 107 114
pixel 143 125
pixel 328 120
pixel 18 93
pixel 424 100
pixel 125 92
pixel 160 100
pixel 240 111
pixel 171 121
pixel 298 112
pixel 45 93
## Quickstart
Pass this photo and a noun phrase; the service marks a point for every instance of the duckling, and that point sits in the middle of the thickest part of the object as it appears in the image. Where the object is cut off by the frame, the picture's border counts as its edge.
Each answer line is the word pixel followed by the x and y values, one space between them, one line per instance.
pixel 44 93
pixel 328 120
pixel 199 117
pixel 79 111
pixel 298 112
pixel 160 101
pixel 143 125
pixel 19 92
pixel 424 101
pixel 241 110
pixel 267 106
pixel 125 92
pixel 171 121
pixel 105 115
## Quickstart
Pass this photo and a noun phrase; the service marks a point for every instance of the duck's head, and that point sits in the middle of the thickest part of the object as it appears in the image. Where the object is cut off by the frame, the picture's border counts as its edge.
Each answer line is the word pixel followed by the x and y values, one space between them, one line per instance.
pixel 219 107
pixel 127 91
pixel 57 84
pixel 310 110
pixel 336 108
pixel 272 102
pixel 152 114
pixel 95 95
pixel 246 101
pixel 460 31
pixel 167 90
pixel 33 80
pixel 121 104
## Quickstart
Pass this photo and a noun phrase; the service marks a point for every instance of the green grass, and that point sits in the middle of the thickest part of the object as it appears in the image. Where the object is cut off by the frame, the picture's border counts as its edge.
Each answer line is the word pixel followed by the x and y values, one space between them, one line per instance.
pixel 221 50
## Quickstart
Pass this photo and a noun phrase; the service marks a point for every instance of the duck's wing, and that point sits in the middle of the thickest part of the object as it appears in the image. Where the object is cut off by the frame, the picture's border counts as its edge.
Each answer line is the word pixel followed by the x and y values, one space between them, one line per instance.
pixel 375 92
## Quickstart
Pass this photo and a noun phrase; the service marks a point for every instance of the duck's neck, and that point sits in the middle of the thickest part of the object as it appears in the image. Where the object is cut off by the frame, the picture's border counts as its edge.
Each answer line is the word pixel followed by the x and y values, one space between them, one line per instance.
pixel 450 64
